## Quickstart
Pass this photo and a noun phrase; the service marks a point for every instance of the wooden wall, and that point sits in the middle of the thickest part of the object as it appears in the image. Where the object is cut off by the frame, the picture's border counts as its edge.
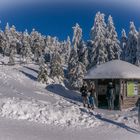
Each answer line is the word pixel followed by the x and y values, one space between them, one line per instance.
pixel 129 102
pixel 125 101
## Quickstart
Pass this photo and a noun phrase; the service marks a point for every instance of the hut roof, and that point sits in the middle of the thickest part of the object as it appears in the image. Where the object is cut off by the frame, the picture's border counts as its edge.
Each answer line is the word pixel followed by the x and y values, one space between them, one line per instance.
pixel 115 69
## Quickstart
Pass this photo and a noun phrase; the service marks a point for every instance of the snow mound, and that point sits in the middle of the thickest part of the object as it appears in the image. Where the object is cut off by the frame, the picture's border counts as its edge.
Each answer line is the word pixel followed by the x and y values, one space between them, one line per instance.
pixel 46 113
pixel 130 118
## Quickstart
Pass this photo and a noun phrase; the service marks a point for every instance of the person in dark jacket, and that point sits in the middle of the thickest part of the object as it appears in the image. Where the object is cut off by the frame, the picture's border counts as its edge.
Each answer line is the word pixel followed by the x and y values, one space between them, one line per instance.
pixel 92 97
pixel 84 91
pixel 110 96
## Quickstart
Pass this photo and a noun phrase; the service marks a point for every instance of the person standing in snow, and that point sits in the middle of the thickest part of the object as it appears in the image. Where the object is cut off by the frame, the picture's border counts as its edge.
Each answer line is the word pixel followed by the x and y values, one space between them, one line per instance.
pixel 92 97
pixel 110 96
pixel 138 105
pixel 83 91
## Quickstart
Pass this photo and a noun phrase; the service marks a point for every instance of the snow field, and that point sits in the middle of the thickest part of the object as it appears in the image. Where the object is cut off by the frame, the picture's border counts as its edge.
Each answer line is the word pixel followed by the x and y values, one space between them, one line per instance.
pixel 46 113
pixel 23 98
pixel 130 119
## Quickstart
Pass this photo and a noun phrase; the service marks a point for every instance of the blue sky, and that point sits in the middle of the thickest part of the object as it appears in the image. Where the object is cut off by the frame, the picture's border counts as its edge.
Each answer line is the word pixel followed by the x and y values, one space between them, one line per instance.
pixel 56 17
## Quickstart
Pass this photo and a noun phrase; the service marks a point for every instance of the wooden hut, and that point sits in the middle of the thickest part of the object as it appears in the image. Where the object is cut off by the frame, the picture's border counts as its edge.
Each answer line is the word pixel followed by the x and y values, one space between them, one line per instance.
pixel 125 78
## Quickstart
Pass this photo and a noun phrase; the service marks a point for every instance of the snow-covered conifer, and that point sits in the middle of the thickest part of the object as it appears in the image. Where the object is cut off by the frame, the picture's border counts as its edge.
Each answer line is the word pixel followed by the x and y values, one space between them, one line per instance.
pixel 76 75
pixel 77 36
pixel 132 44
pixel 73 60
pixel 53 45
pixel 80 45
pixel 83 54
pixel 39 47
pixel 2 42
pixel 12 52
pixel 68 49
pixel 56 69
pixel 12 43
pixel 138 51
pixel 8 39
pixel 76 70
pixel 26 52
pixel 124 40
pixel 98 52
pixel 64 50
pixel 112 42
pixel 43 72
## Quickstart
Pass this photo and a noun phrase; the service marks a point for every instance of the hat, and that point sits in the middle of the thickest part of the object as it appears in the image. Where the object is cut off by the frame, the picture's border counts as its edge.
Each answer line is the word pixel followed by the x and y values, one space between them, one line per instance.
pixel 110 83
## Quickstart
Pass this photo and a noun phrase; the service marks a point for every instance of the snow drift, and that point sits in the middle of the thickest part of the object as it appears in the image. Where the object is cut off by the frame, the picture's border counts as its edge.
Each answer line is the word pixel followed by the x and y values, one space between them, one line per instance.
pixel 46 113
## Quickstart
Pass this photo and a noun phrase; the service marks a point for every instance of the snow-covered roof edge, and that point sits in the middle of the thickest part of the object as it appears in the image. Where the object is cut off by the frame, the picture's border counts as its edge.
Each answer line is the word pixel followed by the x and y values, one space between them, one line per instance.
pixel 115 69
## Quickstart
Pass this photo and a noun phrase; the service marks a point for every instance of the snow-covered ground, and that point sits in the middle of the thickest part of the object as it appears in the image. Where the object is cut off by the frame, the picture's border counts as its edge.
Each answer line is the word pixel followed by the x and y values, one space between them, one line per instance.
pixel 31 110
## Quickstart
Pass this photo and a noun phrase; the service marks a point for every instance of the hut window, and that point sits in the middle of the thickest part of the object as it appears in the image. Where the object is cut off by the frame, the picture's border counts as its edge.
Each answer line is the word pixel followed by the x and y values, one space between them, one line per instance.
pixel 132 88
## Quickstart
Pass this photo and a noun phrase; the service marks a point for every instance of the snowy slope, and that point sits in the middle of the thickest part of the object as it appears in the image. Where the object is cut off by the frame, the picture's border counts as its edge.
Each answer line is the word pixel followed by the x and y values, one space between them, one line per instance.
pixel 22 97
pixel 54 110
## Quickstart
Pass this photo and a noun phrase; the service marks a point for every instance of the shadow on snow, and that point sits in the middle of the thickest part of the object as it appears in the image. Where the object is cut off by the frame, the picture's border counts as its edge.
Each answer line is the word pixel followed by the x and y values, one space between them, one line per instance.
pixel 29 75
pixel 31 69
pixel 118 124
pixel 70 95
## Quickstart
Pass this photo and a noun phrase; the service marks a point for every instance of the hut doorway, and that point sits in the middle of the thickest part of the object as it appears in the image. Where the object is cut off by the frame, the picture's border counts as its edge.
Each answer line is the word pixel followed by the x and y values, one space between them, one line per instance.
pixel 102 93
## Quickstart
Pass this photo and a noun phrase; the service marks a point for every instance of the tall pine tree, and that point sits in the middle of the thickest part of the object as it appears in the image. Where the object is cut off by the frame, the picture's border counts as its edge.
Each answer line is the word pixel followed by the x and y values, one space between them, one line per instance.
pixel 112 42
pixel 76 70
pixel 56 69
pixel 132 44
pixel 138 51
pixel 124 45
pixel 77 36
pixel 98 52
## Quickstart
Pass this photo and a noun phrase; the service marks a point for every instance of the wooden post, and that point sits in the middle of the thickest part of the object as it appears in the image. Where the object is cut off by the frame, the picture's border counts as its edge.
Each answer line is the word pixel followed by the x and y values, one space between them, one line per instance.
pixel 120 94
pixel 96 88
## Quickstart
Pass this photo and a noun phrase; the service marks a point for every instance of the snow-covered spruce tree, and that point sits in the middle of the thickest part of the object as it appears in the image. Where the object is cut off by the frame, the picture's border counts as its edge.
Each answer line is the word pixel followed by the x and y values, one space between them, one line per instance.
pixel 80 45
pixel 8 37
pixel 43 74
pixel 2 42
pixel 12 52
pixel 76 76
pixel 12 44
pixel 62 51
pixel 43 71
pixel 47 55
pixel 68 49
pixel 80 71
pixel 98 52
pixel 56 69
pixel 138 51
pixel 36 50
pixel 132 44
pixel 77 36
pixel 39 47
pixel 83 54
pixel 73 60
pixel 15 35
pixel 26 52
pixel 65 50
pixel 124 40
pixel 37 44
pixel 53 45
pixel 19 37
pixel 112 42
pixel 33 36
pixel 76 70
